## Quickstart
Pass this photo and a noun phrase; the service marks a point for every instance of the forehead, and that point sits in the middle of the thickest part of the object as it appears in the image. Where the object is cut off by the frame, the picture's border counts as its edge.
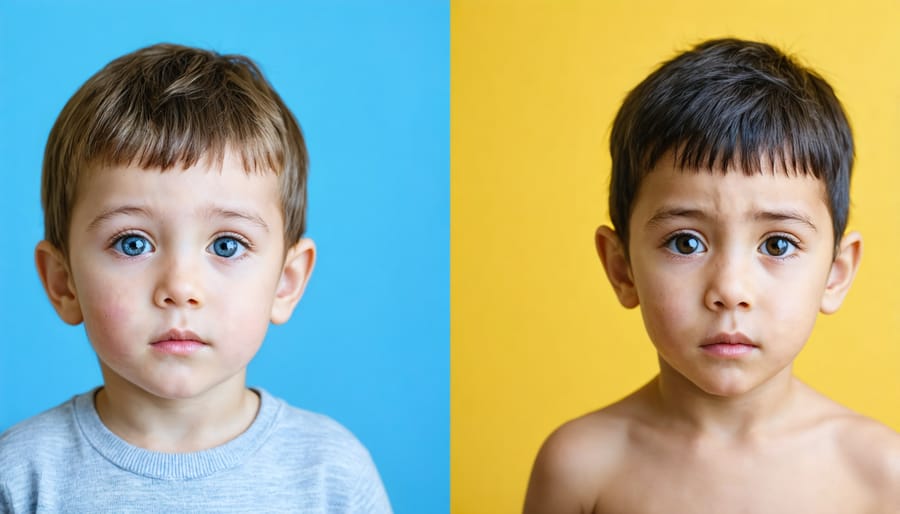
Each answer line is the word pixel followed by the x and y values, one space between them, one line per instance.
pixel 177 189
pixel 225 173
pixel 724 193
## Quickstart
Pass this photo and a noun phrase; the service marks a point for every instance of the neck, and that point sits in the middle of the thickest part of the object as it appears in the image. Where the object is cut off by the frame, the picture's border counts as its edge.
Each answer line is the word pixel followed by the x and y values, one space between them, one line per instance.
pixel 739 416
pixel 175 425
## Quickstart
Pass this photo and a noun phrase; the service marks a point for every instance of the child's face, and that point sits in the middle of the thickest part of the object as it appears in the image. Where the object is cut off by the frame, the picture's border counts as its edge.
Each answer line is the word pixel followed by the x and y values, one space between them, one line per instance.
pixel 730 271
pixel 177 275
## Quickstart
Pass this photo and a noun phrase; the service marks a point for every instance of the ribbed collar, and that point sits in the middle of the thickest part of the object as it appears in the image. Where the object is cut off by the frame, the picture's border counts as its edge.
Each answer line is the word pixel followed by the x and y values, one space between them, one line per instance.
pixel 176 466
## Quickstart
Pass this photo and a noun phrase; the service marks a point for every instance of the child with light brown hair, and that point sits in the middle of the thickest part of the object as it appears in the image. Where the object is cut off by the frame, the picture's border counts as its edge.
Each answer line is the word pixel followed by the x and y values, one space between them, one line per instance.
pixel 174 194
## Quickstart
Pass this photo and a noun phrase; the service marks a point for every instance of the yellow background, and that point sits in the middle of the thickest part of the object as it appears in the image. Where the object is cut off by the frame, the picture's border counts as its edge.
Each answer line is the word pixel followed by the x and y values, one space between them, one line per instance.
pixel 537 335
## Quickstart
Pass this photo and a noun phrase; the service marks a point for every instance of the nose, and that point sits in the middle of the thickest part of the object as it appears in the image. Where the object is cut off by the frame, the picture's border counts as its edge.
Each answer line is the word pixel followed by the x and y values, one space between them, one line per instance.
pixel 178 283
pixel 730 285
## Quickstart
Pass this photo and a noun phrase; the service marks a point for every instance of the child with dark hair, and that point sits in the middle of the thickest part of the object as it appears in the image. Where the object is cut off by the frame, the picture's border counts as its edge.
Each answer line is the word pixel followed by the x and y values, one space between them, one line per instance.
pixel 729 199
pixel 174 194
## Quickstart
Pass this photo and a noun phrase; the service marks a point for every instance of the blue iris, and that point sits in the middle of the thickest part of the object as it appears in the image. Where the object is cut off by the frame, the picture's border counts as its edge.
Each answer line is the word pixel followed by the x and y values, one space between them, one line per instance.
pixel 226 246
pixel 133 245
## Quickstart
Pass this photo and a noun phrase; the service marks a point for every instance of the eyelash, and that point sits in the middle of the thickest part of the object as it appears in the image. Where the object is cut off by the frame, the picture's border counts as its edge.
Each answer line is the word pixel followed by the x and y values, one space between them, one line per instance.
pixel 119 236
pixel 114 240
pixel 668 240
pixel 787 237
pixel 248 246
pixel 240 239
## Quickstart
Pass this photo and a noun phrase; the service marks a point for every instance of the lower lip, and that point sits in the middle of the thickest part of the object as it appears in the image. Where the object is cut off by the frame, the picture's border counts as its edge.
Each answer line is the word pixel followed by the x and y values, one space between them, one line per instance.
pixel 728 350
pixel 177 347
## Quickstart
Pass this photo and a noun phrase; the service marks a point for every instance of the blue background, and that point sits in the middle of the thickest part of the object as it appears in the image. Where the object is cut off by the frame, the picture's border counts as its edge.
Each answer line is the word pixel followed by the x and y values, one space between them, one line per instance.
pixel 369 83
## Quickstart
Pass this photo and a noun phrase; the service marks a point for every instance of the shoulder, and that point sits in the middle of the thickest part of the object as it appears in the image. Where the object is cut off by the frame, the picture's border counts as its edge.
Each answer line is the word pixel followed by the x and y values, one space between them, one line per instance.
pixel 866 447
pixel 52 431
pixel 576 460
pixel 315 443
pixel 34 449
pixel 873 450
pixel 307 431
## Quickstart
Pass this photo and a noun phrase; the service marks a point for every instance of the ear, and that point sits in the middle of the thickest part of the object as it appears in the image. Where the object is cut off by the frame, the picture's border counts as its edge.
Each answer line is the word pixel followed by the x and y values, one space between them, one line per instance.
pixel 298 266
pixel 618 270
pixel 53 269
pixel 843 269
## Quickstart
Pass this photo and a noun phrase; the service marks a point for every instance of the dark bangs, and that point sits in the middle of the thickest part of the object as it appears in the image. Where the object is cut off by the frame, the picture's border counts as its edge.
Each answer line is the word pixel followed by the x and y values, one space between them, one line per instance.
pixel 732 104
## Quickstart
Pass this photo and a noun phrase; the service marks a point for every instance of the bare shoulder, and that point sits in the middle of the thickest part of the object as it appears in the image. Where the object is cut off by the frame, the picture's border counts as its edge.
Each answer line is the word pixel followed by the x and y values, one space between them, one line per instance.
pixel 577 459
pixel 873 449
pixel 868 448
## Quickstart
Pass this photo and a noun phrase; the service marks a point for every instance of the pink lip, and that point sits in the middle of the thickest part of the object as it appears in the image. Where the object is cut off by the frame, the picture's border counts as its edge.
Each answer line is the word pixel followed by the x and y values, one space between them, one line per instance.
pixel 728 345
pixel 178 342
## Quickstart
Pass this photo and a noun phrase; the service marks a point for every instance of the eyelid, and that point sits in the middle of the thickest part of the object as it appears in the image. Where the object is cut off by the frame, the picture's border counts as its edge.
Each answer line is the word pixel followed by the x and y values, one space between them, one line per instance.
pixel 682 232
pixel 129 232
pixel 244 249
pixel 670 238
pixel 784 235
pixel 115 244
pixel 234 235
pixel 792 240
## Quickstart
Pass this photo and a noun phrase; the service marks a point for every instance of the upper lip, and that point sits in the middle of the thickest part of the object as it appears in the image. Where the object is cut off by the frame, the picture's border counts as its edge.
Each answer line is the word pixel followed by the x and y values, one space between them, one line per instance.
pixel 724 338
pixel 178 335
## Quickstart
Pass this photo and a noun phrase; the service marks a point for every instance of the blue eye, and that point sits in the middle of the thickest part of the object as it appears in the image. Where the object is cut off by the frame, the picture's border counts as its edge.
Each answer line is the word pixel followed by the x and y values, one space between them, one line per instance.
pixel 227 247
pixel 777 246
pixel 132 245
pixel 685 244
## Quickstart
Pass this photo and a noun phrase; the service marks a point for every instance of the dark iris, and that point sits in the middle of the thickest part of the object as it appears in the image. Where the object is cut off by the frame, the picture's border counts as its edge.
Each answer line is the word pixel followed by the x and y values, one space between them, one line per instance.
pixel 225 246
pixel 687 244
pixel 777 246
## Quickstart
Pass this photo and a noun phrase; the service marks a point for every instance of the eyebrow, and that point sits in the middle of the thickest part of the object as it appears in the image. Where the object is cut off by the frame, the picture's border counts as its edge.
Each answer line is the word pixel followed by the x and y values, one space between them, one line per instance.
pixel 235 214
pixel 667 213
pixel 786 215
pixel 125 210
pixel 211 212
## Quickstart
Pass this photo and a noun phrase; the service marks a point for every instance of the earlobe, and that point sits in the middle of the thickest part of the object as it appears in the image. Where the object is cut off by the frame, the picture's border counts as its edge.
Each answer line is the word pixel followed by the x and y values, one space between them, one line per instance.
pixel 618 269
pixel 54 273
pixel 298 265
pixel 842 272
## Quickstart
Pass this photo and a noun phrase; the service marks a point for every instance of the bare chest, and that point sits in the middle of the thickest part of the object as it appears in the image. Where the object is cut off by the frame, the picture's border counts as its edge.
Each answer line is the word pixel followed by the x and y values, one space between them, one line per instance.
pixel 735 483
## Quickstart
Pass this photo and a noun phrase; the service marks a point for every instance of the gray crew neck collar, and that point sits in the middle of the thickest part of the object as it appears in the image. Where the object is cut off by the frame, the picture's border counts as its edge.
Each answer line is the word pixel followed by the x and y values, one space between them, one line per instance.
pixel 175 466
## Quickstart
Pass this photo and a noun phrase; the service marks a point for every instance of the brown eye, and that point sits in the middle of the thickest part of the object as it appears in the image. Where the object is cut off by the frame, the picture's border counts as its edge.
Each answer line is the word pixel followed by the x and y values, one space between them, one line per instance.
pixel 685 244
pixel 777 246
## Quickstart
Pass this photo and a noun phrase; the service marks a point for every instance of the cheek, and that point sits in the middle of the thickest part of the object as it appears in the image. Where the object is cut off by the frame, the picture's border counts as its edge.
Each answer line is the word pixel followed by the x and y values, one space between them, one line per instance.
pixel 794 306
pixel 666 304
pixel 248 311
pixel 108 321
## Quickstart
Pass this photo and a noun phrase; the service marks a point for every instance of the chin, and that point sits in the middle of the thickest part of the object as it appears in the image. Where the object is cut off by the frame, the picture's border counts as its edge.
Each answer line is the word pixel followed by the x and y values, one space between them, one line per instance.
pixel 726 387
pixel 724 391
pixel 174 390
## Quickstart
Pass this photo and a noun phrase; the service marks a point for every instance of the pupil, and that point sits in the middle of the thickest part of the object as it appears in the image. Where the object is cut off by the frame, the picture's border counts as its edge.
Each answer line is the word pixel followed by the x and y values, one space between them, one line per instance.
pixel 777 246
pixel 134 245
pixel 687 244
pixel 226 247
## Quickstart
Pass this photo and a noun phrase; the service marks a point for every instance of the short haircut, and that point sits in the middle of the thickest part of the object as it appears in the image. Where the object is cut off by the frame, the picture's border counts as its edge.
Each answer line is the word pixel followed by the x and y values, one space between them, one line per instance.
pixel 728 102
pixel 169 105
